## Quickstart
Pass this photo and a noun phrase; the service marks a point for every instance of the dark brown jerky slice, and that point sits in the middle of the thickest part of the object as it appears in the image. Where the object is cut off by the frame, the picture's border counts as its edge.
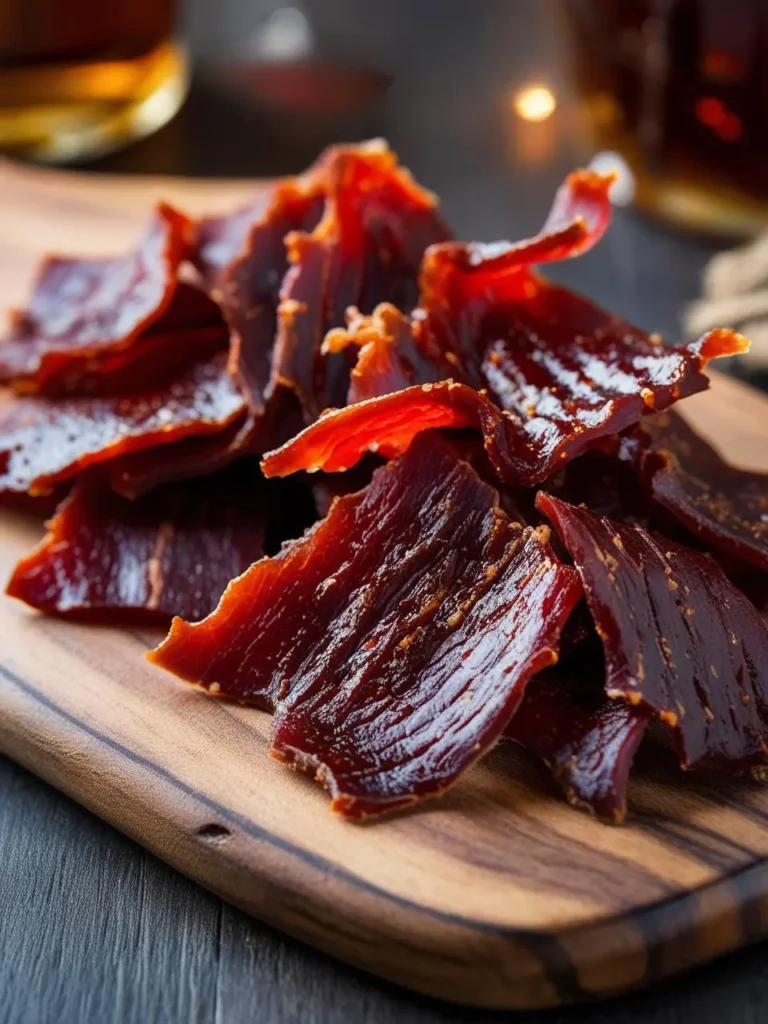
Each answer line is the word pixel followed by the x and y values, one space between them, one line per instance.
pixel 196 456
pixel 724 506
pixel 366 249
pixel 249 287
pixel 587 740
pixel 395 638
pixel 541 372
pixel 81 309
pixel 222 239
pixel 679 638
pixel 200 454
pixel 43 442
pixel 170 553
pixel 527 449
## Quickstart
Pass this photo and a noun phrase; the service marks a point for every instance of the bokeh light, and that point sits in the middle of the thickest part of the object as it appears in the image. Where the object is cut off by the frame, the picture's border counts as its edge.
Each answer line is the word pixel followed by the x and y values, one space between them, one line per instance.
pixel 534 103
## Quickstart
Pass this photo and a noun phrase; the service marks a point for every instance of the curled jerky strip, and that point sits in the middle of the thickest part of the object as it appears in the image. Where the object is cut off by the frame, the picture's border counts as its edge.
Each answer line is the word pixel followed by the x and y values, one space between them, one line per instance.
pixel 540 372
pixel 83 309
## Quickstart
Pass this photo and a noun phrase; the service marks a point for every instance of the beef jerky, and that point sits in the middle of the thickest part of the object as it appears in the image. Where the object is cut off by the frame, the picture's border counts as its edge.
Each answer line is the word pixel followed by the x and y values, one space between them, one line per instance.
pixel 43 442
pixel 395 638
pixel 587 740
pixel 170 553
pixel 679 639
pixel 366 249
pixel 541 372
pixel 522 450
pixel 722 505
pixel 249 286
pixel 81 309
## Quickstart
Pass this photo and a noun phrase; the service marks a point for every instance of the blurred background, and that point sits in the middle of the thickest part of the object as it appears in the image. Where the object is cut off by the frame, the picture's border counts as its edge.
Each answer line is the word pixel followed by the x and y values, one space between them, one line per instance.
pixel 489 102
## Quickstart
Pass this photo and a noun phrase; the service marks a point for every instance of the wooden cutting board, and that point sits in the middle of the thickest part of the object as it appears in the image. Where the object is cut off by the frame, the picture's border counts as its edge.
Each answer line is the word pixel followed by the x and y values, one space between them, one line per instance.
pixel 497 895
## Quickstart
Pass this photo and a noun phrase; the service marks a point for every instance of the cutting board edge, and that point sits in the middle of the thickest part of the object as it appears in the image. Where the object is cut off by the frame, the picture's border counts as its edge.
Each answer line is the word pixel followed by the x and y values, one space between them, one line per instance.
pixel 473 963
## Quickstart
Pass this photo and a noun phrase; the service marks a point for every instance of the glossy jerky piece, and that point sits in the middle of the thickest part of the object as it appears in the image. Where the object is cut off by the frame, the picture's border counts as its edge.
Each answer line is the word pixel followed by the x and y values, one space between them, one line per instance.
pixel 679 639
pixel 586 740
pixel 366 249
pixel 564 373
pixel 388 359
pixel 578 219
pixel 222 239
pixel 136 474
pixel 190 330
pixel 395 638
pixel 170 553
pixel 385 426
pixel 542 373
pixel 81 309
pixel 249 286
pixel 724 506
pixel 523 449
pixel 43 442
pixel 197 456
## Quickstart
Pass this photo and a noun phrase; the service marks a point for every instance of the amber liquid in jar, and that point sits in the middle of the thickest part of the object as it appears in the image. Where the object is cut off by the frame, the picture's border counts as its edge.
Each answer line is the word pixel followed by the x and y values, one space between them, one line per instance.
pixel 82 77
pixel 679 89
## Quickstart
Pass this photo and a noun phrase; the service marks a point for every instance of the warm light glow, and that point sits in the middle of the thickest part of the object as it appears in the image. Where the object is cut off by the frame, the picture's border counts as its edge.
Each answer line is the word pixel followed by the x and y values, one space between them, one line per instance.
pixel 535 103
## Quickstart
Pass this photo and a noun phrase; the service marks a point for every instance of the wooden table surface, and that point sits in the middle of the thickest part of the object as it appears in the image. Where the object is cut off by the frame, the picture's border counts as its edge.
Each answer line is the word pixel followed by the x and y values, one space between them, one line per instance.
pixel 93 928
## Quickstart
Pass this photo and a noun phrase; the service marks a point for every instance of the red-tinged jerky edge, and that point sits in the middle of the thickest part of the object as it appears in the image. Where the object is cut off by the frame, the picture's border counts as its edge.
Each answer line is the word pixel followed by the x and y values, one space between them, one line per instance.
pixel 394 639
pixel 388 424
pixel 84 308
pixel 366 249
pixel 43 442
pixel 541 372
pixel 579 217
pixel 679 638
pixel 170 553
pixel 723 505
pixel 394 351
pixel 586 740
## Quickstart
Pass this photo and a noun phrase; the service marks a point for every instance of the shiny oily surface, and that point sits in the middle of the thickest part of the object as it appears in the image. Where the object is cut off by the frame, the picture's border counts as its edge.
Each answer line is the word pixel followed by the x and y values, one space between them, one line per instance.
pixel 679 638
pixel 82 309
pixel 723 505
pixel 376 637
pixel 43 442
pixel 170 553
pixel 522 449
pixel 542 373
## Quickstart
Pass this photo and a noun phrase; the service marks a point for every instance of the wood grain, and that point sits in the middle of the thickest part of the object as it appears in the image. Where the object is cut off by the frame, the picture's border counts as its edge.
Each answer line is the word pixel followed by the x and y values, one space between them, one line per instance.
pixel 498 895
